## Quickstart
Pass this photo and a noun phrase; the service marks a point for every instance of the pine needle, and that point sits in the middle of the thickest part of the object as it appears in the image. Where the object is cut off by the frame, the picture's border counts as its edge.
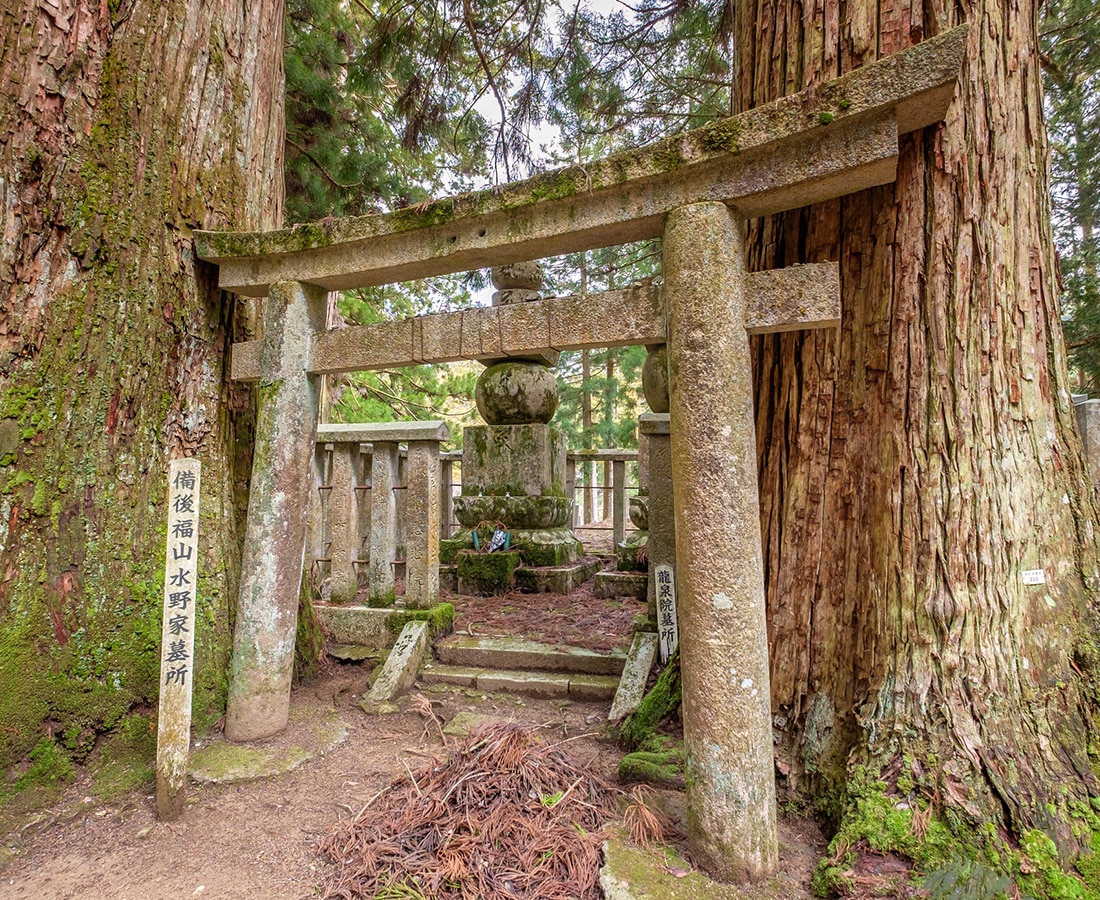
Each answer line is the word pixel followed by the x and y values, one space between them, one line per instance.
pixel 489 821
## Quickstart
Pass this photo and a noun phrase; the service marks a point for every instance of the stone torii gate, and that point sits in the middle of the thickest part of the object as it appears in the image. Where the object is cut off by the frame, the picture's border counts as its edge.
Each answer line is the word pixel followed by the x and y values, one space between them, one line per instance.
pixel 694 190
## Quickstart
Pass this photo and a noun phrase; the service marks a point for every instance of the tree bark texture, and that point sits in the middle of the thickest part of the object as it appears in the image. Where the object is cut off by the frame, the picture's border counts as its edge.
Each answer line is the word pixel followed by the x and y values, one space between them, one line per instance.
pixel 123 127
pixel 916 461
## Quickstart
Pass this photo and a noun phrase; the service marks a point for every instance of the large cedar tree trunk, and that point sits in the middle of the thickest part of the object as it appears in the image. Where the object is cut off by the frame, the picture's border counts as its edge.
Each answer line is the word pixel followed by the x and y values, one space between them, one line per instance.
pixel 124 125
pixel 915 462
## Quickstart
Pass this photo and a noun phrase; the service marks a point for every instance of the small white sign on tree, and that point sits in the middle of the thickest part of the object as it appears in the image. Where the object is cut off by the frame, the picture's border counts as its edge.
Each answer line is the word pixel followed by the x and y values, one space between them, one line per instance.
pixel 178 636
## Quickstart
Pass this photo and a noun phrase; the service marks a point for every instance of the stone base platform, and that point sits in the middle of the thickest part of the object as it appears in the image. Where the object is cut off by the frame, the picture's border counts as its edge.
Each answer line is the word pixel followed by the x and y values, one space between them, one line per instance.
pixel 622 584
pixel 531 580
pixel 353 625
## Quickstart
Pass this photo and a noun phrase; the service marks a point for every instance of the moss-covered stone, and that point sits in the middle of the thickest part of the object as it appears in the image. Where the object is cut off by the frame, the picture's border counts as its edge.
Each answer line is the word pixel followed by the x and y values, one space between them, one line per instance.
pixel 659 761
pixel 487 573
pixel 517 392
pixel 662 700
pixel 440 619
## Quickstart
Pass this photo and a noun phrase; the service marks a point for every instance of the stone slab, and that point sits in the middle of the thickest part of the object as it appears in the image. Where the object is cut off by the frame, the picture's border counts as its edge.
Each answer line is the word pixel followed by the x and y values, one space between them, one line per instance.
pixel 826 141
pixel 639 662
pixel 806 296
pixel 221 762
pixel 402 665
pixel 358 625
pixel 557 579
pixel 793 298
pixel 622 584
pixel 352 652
pixel 593 687
pixel 520 460
pixel 369 432
pixel 538 684
pixel 661 873
pixel 463 676
pixel 517 653
pixel 465 723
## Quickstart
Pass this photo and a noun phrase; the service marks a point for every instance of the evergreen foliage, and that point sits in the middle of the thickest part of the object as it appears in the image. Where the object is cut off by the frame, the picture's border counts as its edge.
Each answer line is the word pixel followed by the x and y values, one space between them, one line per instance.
pixel 1071 64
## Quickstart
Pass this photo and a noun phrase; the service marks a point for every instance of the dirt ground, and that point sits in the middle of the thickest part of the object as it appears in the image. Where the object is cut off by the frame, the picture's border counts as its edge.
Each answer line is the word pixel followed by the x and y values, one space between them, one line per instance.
pixel 258 839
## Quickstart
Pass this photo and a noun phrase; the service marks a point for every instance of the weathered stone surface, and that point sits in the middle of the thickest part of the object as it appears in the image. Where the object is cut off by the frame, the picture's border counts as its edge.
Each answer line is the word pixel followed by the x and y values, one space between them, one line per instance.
pixel 540 684
pixel 486 573
pixel 655 378
pixel 402 665
pixel 1088 422
pixel 527 274
pixel 278 504
pixel 792 298
pixel 521 330
pixel 639 663
pixel 621 584
pixel 521 460
pixel 592 687
pixel 639 510
pixel 514 295
pixel 561 579
pixel 221 762
pixel 517 653
pixel 661 546
pixel 519 512
pixel 437 673
pixel 517 392
pixel 395 432
pixel 762 161
pixel 383 520
pixel 343 516
pixel 359 625
pixel 466 723
pixel 779 300
pixel 422 518
pixel 719 573
pixel 632 555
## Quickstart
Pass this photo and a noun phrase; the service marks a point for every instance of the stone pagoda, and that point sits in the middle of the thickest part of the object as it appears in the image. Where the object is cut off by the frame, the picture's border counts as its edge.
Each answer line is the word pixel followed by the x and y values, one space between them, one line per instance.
pixel 513 467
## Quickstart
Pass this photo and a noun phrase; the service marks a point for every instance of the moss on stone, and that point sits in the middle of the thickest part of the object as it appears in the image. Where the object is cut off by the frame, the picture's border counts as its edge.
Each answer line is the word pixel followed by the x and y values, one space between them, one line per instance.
pixel 662 700
pixel 487 573
pixel 440 619
pixel 659 761
pixel 724 135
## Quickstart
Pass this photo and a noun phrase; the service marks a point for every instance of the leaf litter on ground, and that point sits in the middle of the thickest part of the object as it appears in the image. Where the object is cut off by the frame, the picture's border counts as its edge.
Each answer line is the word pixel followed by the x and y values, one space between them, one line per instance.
pixel 505 815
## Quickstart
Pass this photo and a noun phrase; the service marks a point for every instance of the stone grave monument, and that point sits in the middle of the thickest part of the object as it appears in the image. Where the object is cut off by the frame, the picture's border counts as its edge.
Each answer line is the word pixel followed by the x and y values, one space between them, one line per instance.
pixel 513 467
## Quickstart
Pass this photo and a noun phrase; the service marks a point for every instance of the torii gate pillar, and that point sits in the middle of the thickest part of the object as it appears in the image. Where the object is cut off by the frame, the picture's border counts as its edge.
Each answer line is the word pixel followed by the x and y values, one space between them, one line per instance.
pixel 720 571
pixel 275 538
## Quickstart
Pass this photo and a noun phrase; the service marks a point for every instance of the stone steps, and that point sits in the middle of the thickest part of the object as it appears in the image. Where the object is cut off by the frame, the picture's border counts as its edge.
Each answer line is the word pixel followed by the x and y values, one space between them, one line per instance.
pixel 515 653
pixel 541 684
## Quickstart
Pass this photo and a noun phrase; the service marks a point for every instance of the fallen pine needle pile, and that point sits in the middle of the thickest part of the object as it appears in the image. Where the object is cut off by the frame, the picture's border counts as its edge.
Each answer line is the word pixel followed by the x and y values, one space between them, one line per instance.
pixel 506 815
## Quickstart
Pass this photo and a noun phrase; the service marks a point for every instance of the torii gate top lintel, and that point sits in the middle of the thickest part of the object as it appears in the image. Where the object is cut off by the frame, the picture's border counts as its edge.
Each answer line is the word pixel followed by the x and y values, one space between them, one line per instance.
pixel 824 142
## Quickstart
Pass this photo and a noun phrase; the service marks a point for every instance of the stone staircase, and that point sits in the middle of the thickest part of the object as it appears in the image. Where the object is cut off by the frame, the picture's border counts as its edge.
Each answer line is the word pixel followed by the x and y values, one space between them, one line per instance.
pixel 521 666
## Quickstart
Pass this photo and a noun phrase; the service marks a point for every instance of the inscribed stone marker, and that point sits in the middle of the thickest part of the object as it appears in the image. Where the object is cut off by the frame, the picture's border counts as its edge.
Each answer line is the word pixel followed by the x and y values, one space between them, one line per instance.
pixel 667 630
pixel 178 636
